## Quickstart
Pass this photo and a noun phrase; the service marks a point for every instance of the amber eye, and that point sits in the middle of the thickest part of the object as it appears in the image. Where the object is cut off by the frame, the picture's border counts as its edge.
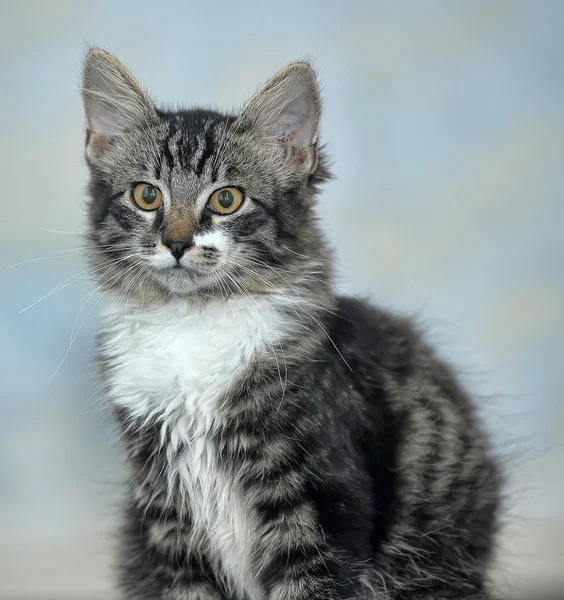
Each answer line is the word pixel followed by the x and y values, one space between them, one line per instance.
pixel 147 196
pixel 226 200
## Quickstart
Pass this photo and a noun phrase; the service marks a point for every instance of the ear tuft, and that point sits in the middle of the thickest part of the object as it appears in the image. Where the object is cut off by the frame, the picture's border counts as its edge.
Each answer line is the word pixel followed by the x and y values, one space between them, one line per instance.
pixel 113 101
pixel 287 111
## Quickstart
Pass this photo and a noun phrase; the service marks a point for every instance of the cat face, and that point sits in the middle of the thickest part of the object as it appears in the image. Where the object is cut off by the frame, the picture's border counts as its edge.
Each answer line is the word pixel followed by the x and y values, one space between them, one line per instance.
pixel 192 201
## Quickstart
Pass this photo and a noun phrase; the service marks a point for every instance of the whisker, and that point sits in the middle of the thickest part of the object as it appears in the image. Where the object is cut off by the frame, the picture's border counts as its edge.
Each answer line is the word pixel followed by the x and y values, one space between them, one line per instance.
pixel 58 231
pixel 259 277
pixel 99 249
pixel 302 300
pixel 127 290
pixel 31 260
pixel 300 305
pixel 143 271
pixel 247 294
pixel 301 255
pixel 69 253
pixel 74 279
pixel 73 338
pixel 328 337
pixel 97 289
pixel 307 276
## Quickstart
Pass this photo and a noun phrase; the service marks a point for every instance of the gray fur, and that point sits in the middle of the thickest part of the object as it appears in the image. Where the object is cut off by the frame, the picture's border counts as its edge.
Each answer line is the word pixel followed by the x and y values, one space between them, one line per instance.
pixel 353 460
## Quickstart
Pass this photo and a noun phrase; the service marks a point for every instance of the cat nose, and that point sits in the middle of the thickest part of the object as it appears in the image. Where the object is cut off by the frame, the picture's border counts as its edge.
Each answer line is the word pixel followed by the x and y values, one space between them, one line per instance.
pixel 178 247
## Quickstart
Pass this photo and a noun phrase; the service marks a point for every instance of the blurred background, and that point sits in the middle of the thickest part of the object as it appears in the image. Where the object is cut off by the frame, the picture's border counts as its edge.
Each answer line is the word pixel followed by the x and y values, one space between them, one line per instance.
pixel 445 124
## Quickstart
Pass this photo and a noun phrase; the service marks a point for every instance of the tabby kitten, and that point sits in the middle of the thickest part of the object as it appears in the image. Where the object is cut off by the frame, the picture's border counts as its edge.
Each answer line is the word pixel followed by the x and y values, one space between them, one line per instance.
pixel 284 442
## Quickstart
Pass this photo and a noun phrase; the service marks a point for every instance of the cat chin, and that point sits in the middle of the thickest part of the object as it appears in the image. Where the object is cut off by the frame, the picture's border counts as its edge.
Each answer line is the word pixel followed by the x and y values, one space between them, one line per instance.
pixel 181 281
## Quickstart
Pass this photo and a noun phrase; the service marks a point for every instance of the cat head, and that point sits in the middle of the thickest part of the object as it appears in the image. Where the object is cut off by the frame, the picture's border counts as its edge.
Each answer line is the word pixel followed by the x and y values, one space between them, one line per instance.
pixel 193 202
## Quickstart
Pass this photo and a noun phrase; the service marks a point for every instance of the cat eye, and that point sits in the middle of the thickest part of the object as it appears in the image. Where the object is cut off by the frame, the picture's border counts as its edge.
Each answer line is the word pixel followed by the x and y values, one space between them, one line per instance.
pixel 226 200
pixel 147 197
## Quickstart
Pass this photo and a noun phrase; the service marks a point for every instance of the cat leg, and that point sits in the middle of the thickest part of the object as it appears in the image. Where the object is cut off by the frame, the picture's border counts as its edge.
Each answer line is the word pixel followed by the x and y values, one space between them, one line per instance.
pixel 451 595
pixel 295 562
pixel 150 577
pixel 191 591
pixel 156 564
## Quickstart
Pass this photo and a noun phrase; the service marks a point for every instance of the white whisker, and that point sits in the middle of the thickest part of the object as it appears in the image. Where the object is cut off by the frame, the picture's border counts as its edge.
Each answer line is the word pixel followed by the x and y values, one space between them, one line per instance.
pixel 58 231
pixel 73 337
pixel 248 295
pixel 74 279
pixel 300 305
pixel 307 276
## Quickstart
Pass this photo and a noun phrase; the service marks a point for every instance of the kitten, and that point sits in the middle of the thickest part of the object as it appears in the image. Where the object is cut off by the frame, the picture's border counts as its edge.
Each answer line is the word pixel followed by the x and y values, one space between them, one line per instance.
pixel 284 442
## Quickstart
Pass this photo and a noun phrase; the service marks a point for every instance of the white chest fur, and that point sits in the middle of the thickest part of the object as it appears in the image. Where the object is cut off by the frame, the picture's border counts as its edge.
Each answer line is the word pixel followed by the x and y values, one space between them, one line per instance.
pixel 174 365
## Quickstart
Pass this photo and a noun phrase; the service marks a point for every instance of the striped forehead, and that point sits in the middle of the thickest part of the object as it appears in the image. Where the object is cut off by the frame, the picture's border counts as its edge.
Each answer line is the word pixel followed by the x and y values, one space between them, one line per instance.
pixel 191 146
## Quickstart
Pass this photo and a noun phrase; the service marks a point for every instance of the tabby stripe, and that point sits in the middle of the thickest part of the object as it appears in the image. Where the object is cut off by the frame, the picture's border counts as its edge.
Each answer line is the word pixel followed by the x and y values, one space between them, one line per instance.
pixel 166 153
pixel 274 213
pixel 157 170
pixel 179 151
pixel 161 515
pixel 248 224
pixel 288 465
pixel 264 251
pixel 168 156
pixel 299 561
pixel 215 172
pixel 126 218
pixel 207 151
pixel 269 510
pixel 159 217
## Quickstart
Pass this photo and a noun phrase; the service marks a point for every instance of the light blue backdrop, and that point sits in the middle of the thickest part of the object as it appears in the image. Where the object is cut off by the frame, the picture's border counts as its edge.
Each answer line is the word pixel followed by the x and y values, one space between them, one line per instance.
pixel 445 124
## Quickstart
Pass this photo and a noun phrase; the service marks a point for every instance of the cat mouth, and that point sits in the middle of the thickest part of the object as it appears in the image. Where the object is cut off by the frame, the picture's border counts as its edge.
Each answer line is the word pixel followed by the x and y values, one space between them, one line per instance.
pixel 180 270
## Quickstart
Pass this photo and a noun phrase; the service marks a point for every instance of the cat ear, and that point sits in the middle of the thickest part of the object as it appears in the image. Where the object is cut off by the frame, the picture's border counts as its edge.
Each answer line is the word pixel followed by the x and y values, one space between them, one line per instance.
pixel 286 112
pixel 113 101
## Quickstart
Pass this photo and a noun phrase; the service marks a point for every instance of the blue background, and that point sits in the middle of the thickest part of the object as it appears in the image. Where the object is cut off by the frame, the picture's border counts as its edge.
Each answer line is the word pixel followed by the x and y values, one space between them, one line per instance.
pixel 445 124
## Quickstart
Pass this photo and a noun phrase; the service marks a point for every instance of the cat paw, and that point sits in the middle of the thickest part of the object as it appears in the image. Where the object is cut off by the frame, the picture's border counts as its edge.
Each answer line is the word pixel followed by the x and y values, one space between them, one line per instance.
pixel 198 591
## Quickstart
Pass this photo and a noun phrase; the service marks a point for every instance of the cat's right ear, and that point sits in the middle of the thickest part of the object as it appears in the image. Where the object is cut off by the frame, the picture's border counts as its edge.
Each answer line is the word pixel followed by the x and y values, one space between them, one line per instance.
pixel 286 113
pixel 113 101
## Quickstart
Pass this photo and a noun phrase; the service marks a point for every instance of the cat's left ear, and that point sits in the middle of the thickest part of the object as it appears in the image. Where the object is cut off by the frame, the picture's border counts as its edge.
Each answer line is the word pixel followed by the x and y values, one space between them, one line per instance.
pixel 113 101
pixel 286 113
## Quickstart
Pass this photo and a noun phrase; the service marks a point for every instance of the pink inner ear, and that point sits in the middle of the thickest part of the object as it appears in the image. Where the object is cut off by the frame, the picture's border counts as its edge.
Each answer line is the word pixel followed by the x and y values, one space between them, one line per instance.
pixel 98 121
pixel 98 136
pixel 295 125
pixel 301 137
pixel 98 141
pixel 298 144
pixel 301 155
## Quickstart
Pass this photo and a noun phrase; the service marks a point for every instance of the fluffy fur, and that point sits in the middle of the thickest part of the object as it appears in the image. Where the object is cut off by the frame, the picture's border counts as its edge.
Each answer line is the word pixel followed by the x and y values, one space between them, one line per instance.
pixel 284 443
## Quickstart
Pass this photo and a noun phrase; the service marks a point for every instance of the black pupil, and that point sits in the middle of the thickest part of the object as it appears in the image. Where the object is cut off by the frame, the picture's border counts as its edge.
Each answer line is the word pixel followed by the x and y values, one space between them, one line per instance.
pixel 149 195
pixel 225 198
